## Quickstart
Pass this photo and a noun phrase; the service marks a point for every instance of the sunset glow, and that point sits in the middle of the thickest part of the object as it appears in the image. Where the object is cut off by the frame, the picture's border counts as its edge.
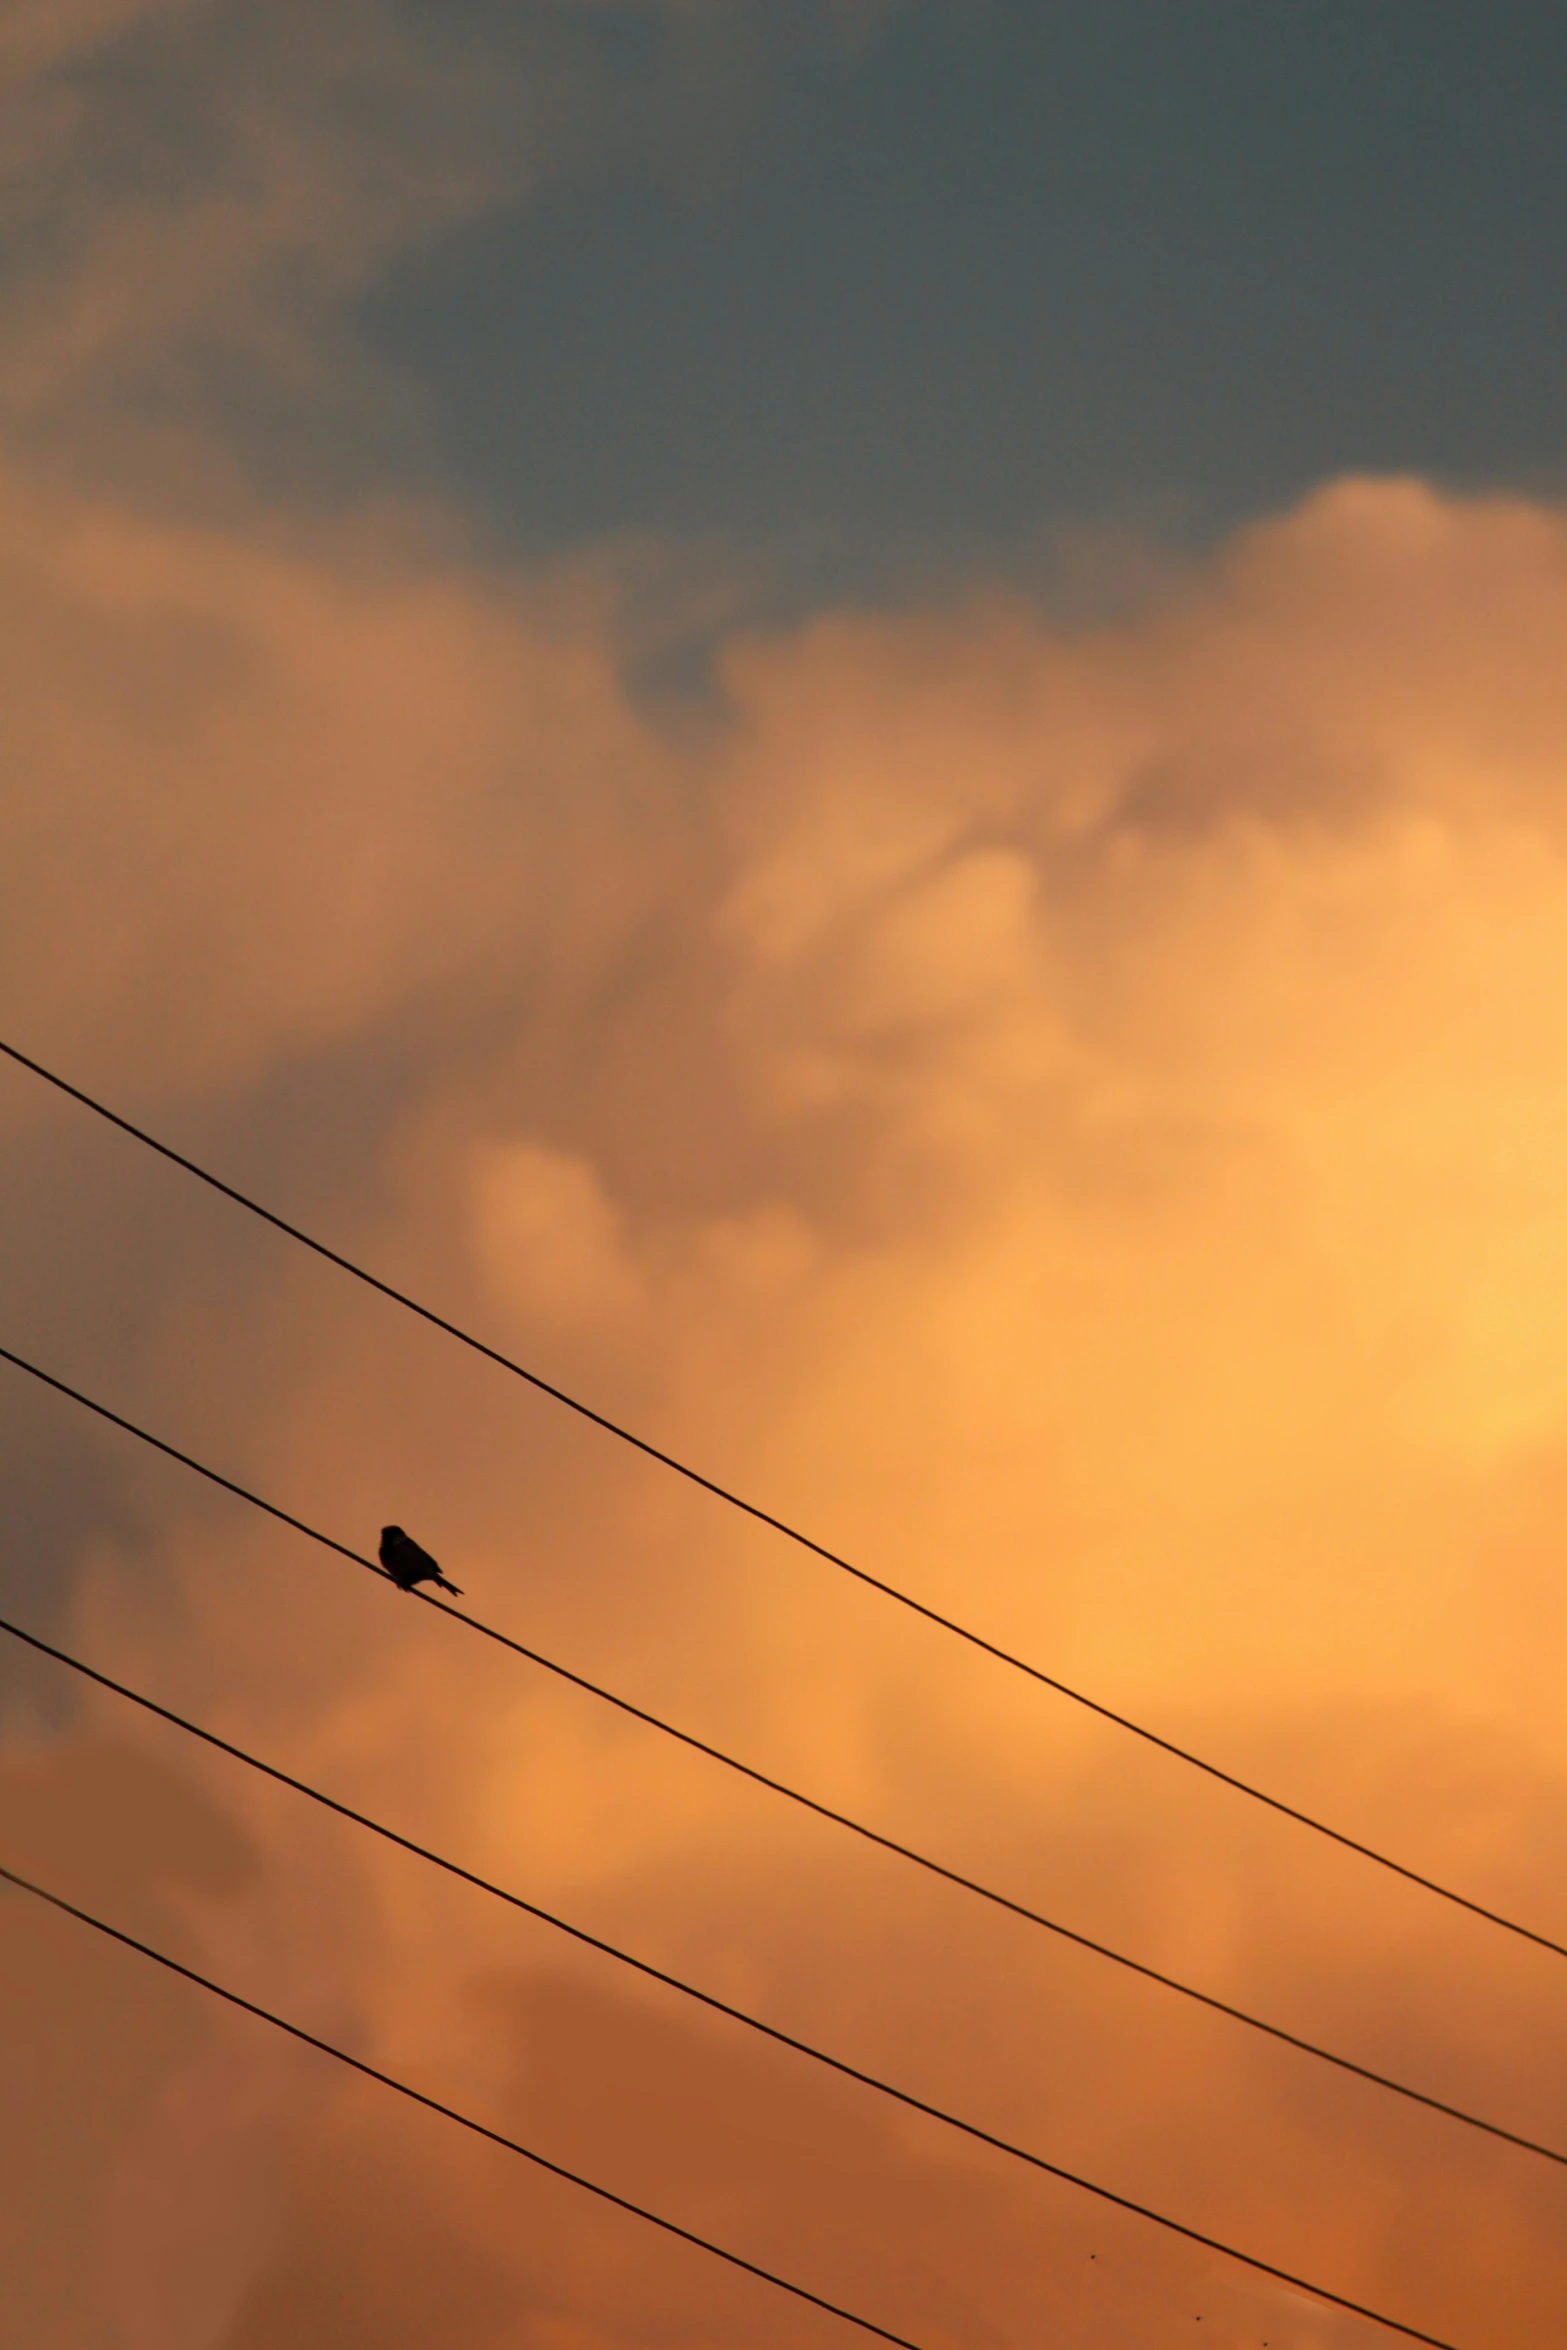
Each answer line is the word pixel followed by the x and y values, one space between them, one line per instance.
pixel 1041 1062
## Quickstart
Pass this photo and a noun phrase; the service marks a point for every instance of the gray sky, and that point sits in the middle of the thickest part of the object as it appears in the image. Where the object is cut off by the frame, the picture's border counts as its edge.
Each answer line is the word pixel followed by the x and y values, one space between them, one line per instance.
pixel 1014 267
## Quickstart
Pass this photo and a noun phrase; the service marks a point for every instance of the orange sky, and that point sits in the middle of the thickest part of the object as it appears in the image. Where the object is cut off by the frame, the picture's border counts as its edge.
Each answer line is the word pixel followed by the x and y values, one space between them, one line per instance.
pixel 1071 1114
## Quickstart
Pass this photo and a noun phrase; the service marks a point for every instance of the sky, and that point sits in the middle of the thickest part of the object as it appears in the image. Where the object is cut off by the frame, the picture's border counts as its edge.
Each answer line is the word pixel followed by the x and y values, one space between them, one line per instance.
pixel 846 719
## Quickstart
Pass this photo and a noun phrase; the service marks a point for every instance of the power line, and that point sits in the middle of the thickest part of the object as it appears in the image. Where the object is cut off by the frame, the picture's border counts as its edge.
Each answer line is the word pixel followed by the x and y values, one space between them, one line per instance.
pixel 677 1983
pixel 778 1525
pixel 481 2129
pixel 810 1803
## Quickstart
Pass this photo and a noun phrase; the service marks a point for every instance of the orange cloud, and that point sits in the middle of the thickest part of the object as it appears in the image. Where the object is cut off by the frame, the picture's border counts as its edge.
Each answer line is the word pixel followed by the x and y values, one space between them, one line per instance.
pixel 1068 1115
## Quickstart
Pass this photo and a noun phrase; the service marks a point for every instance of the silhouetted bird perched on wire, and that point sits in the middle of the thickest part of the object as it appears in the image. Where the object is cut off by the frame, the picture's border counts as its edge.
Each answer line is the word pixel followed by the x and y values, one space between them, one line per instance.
pixel 407 1564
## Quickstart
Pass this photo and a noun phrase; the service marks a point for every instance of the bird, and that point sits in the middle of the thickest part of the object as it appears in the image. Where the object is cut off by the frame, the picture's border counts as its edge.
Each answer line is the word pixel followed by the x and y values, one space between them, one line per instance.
pixel 407 1564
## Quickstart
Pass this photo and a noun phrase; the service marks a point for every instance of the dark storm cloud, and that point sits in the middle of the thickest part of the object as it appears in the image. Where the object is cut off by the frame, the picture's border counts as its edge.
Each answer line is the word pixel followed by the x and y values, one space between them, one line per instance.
pixel 1027 264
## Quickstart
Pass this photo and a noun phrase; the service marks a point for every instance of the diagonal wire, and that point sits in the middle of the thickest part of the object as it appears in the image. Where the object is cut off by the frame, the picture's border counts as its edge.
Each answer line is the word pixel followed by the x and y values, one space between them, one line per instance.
pixel 810 1803
pixel 675 1982
pixel 778 1525
pixel 481 2129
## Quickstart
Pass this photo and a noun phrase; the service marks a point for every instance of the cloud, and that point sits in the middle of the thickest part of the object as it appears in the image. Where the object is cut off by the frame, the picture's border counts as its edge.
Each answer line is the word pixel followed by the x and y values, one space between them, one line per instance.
pixel 39 37
pixel 94 2034
pixel 1068 1113
pixel 197 194
pixel 198 189
pixel 1069 1116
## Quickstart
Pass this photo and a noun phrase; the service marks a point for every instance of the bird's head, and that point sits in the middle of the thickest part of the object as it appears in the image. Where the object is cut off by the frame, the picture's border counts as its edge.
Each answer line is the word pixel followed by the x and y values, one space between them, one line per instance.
pixel 393 1534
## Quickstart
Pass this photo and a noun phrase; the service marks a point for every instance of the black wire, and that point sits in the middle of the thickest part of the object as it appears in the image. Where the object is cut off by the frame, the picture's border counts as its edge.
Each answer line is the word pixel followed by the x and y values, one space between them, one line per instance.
pixel 480 2129
pixel 707 1998
pixel 389 2081
pixel 810 1803
pixel 766 1518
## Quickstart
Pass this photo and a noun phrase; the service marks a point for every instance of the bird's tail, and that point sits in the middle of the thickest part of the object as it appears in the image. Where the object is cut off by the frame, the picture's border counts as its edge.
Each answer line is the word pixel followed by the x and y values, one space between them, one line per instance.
pixel 451 1587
